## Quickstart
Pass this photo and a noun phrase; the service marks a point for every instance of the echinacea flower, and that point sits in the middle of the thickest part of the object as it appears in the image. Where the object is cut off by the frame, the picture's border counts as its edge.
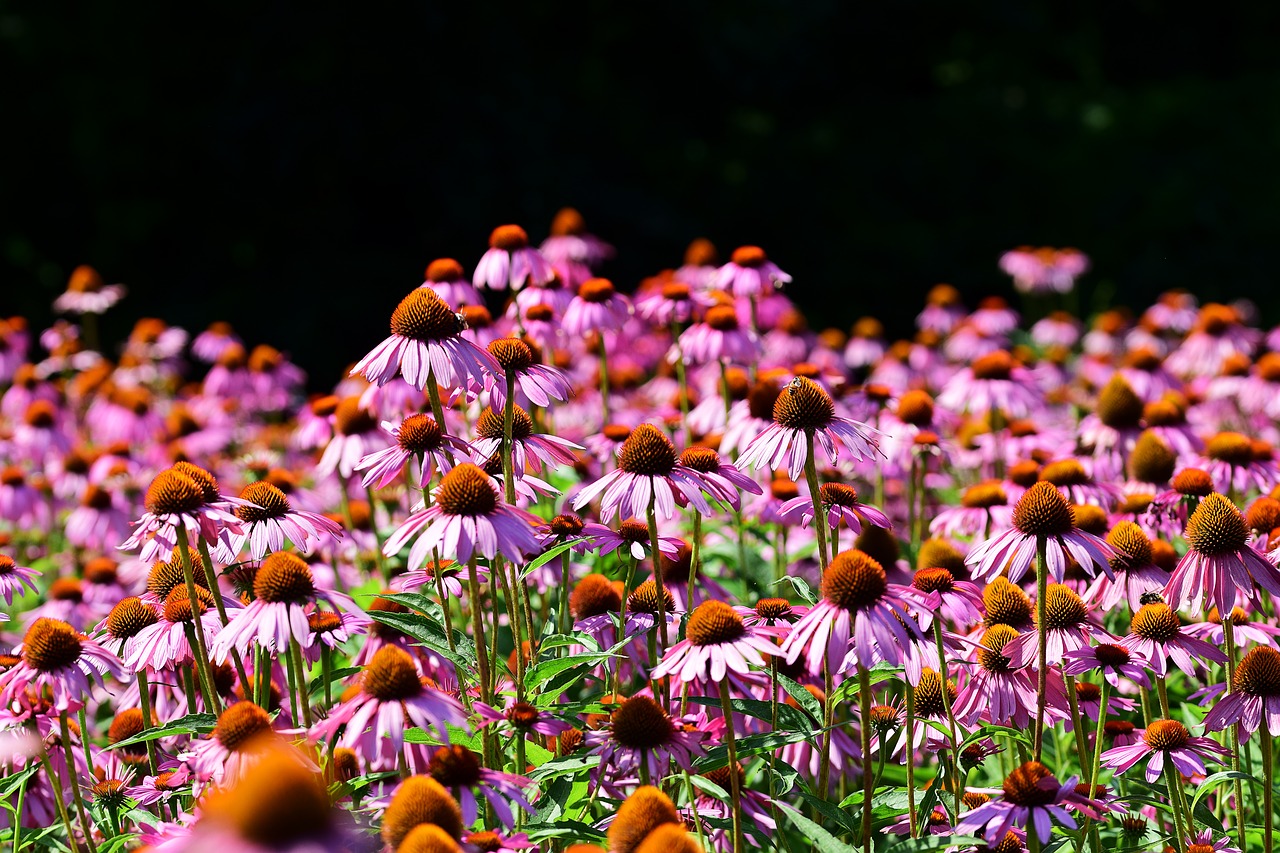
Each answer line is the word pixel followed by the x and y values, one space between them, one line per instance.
pixel 1033 800
pixel 182 500
pixel 278 805
pixel 724 481
pixel 87 293
pixel 860 612
pixel 426 343
pixel 1219 566
pixel 511 261
pixel 717 642
pixel 467 518
pixel 541 383
pixel 841 503
pixel 641 737
pixel 1067 628
pixel 448 279
pixel 940 595
pixel 648 476
pixel 1042 513
pixel 718 338
pixel 528 449
pixel 1254 697
pixel 1113 660
pixel 283 592
pixel 417 437
pixel 1166 741
pixel 13 578
pixel 56 658
pixel 750 273
pixel 999 692
pixel 271 520
pixel 596 308
pixel 1155 633
pixel 167 643
pixel 521 717
pixel 392 699
pixel 804 413
pixel 1133 568
pixel 993 382
pixel 460 771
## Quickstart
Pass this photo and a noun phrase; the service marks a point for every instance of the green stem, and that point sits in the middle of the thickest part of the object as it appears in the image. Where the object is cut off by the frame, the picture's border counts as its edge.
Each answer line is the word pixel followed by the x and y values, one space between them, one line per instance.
pixel 910 756
pixel 508 442
pixel 304 694
pixel 75 783
pixel 1229 636
pixel 379 558
pixel 735 784
pixel 1171 780
pixel 815 494
pixel 433 394
pixel 1042 677
pixel 1077 723
pixel 695 556
pixel 682 380
pixel 56 786
pixel 211 578
pixel 660 625
pixel 957 789
pixel 197 632
pixel 1268 784
pixel 864 698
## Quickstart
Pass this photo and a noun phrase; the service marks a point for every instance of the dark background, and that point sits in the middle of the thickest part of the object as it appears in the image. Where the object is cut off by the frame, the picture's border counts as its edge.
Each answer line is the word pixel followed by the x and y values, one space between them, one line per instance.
pixel 294 169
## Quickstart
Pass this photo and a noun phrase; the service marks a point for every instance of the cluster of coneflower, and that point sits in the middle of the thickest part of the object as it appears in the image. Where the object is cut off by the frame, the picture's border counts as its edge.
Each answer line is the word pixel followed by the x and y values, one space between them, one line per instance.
pixel 561 568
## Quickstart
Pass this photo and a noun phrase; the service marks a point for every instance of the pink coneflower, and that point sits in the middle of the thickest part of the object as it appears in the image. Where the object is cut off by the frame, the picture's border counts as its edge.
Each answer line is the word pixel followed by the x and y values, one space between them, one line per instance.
pixel 459 770
pixel 446 277
pixel 1044 270
pixel 1245 630
pixel 648 475
pixel 209 345
pixel 996 691
pixel 993 382
pixel 87 293
pixel 418 436
pixel 1113 660
pixel 119 631
pixel 528 449
pixel 392 699
pixel 167 643
pixel 1155 633
pixel 842 506
pixel 100 521
pixel 270 520
pixel 56 659
pixel 724 482
pixel 1134 571
pixel 539 382
pixel 1042 513
pixel 632 536
pixel 641 736
pixel 860 612
pixel 1218 335
pixel 426 343
pixel 468 518
pixel 673 302
pixel 805 414
pixel 1220 566
pixel 1254 698
pixel 521 717
pixel 283 592
pixel 940 595
pixel 1033 799
pixel 717 641
pixel 596 308
pixel 983 509
pixel 511 261
pixel 750 273
pixel 1239 463
pixel 572 250
pixel 1166 741
pixel 1067 628
pixel 183 499
pixel 13 579
pixel 355 436
pixel 719 337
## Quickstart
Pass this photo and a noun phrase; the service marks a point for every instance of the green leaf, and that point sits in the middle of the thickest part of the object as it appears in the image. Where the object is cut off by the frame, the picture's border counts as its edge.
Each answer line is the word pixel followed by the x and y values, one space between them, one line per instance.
pixel 751 745
pixel 426 630
pixel 1217 779
pixel 543 672
pixel 934 842
pixel 457 737
pixel 800 588
pixel 789 719
pixel 547 556
pixel 13 782
pixel 569 764
pixel 806 700
pixel 823 841
pixel 191 724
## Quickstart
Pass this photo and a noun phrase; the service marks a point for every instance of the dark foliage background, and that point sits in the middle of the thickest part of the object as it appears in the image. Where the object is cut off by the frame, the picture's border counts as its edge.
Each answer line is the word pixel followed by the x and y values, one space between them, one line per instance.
pixel 293 168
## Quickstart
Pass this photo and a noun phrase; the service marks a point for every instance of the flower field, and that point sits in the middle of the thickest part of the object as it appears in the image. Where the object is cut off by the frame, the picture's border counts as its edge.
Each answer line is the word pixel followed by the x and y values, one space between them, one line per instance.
pixel 560 567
